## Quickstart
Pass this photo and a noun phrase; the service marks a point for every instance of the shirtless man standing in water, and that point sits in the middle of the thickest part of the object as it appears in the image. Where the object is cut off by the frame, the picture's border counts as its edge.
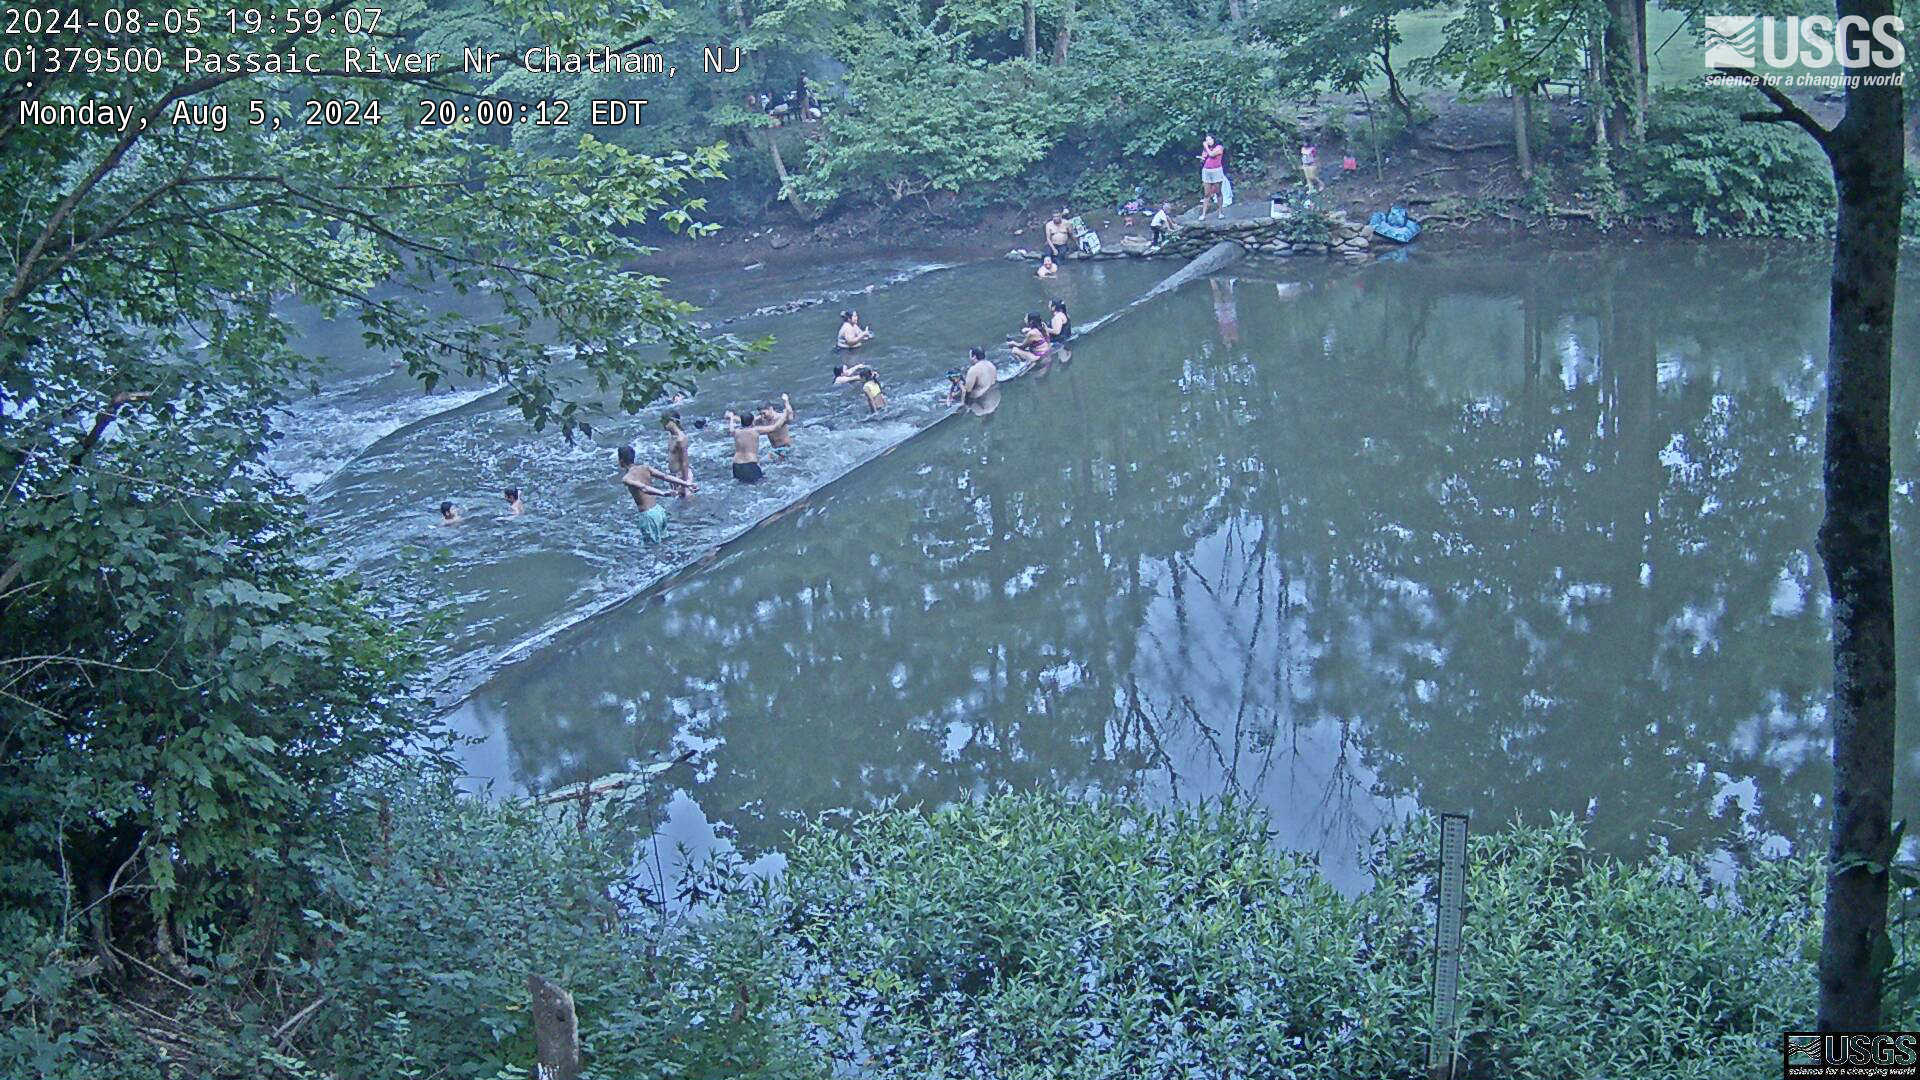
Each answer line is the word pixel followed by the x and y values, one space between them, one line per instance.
pixel 979 388
pixel 677 460
pixel 639 480
pixel 746 444
pixel 778 437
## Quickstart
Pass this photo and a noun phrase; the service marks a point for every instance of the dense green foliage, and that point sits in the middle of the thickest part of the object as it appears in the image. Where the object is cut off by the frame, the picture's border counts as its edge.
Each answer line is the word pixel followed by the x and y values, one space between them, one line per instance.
pixel 184 688
pixel 1028 937
pixel 1704 170
pixel 413 948
pixel 1023 936
pixel 195 857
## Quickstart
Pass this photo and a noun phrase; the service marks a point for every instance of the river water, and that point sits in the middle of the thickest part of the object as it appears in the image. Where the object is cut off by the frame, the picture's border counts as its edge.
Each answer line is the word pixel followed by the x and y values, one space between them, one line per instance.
pixel 1512 533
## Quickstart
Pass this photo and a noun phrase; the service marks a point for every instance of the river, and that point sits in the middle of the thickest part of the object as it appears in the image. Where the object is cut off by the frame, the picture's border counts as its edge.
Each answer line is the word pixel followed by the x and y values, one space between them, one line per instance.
pixel 1512 533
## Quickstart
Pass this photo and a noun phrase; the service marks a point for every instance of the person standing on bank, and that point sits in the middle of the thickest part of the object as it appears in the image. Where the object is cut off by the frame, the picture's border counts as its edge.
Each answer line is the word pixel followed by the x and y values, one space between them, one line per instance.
pixel 1213 173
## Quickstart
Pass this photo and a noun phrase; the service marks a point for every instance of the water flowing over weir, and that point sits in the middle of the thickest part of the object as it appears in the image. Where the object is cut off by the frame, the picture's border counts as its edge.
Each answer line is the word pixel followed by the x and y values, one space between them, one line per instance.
pixel 692 562
pixel 378 456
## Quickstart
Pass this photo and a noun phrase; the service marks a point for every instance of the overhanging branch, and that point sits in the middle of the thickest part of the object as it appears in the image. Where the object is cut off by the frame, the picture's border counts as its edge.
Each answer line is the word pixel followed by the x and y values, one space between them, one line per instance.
pixel 1786 110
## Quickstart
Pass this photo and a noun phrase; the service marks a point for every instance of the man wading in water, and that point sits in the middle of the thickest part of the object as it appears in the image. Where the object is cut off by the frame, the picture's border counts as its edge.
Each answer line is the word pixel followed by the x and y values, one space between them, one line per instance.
pixel 746 443
pixel 778 437
pixel 639 480
pixel 677 461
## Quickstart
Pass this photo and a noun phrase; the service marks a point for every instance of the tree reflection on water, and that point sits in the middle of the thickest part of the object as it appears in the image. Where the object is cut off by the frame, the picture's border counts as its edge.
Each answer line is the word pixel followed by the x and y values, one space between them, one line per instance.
pixel 1507 538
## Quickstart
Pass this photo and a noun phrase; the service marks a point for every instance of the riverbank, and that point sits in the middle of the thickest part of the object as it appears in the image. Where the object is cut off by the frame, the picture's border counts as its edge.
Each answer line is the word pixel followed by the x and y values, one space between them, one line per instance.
pixel 1456 173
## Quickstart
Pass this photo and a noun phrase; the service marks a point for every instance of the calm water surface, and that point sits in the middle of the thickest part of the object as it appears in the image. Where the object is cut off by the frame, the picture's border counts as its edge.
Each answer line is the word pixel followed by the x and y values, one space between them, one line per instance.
pixel 1509 534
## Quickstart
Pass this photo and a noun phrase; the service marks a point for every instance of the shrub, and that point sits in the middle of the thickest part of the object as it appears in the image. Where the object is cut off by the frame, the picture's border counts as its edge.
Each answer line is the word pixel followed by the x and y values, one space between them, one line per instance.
pixel 414 955
pixel 1033 937
pixel 1705 169
pixel 1019 937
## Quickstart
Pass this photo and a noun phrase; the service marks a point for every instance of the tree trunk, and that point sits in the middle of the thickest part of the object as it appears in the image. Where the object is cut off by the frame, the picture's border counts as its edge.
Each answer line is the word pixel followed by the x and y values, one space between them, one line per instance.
pixel 1596 80
pixel 1856 544
pixel 1640 70
pixel 1235 11
pixel 1394 92
pixel 1624 67
pixel 1522 120
pixel 1032 42
pixel 556 1032
pixel 1063 37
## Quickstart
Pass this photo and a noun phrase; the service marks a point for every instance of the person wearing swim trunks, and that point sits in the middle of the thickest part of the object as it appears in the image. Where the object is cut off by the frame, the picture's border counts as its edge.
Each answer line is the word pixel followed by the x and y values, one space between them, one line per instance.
pixel 639 480
pixel 1032 347
pixel 679 462
pixel 1059 236
pixel 746 446
pixel 778 437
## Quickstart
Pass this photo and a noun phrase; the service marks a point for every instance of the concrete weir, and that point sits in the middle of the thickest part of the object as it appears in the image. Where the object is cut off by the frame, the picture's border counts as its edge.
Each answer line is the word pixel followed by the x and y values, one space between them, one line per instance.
pixel 1216 258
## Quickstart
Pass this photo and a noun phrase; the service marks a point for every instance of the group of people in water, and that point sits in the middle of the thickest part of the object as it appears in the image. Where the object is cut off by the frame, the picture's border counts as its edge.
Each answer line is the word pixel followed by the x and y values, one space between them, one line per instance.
pixel 1036 345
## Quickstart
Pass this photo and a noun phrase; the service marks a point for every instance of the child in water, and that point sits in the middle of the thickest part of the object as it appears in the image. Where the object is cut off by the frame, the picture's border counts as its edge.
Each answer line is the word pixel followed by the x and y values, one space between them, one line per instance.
pixel 1047 267
pixel 876 400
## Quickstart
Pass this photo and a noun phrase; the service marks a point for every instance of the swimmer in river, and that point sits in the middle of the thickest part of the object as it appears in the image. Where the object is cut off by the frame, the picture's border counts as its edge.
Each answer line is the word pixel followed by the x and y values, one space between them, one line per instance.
pixel 1047 268
pixel 977 389
pixel 956 385
pixel 851 373
pixel 1032 347
pixel 678 462
pixel 778 437
pixel 1059 325
pixel 852 334
pixel 515 506
pixel 450 514
pixel 639 480
pixel 981 376
pixel 870 386
pixel 746 446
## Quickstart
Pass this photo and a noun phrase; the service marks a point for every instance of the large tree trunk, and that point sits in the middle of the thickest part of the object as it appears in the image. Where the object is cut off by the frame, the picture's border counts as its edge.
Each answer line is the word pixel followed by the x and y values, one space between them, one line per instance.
pixel 1625 69
pixel 1032 42
pixel 1063 37
pixel 1856 544
pixel 1235 10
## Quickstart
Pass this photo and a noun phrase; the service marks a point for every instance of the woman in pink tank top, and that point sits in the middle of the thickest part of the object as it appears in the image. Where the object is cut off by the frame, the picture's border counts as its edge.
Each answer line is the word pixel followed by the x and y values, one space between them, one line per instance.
pixel 1213 173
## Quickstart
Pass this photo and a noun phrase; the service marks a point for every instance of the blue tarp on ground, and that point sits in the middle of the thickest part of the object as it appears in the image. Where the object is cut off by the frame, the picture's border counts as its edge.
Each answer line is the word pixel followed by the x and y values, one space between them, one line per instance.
pixel 1394 224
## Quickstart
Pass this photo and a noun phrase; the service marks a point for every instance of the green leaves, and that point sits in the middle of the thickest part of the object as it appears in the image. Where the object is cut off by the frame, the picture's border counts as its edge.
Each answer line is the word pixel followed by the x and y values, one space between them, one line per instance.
pixel 1030 936
pixel 1704 169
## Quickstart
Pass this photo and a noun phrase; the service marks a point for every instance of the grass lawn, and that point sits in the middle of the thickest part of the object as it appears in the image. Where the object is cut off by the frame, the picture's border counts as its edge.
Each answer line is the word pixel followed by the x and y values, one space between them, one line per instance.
pixel 1674 49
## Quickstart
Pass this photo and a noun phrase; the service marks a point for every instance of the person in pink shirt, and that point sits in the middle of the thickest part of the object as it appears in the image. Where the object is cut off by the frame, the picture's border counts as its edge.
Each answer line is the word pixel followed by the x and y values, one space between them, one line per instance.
pixel 1213 173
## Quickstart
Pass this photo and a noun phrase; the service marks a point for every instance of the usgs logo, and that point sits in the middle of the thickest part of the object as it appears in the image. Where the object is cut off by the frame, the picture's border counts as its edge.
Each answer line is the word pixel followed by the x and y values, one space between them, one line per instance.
pixel 1880 1054
pixel 1813 40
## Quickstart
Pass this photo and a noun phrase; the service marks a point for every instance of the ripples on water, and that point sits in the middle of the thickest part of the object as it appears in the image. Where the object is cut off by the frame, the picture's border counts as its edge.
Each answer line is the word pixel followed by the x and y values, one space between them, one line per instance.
pixel 379 456
pixel 1514 537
